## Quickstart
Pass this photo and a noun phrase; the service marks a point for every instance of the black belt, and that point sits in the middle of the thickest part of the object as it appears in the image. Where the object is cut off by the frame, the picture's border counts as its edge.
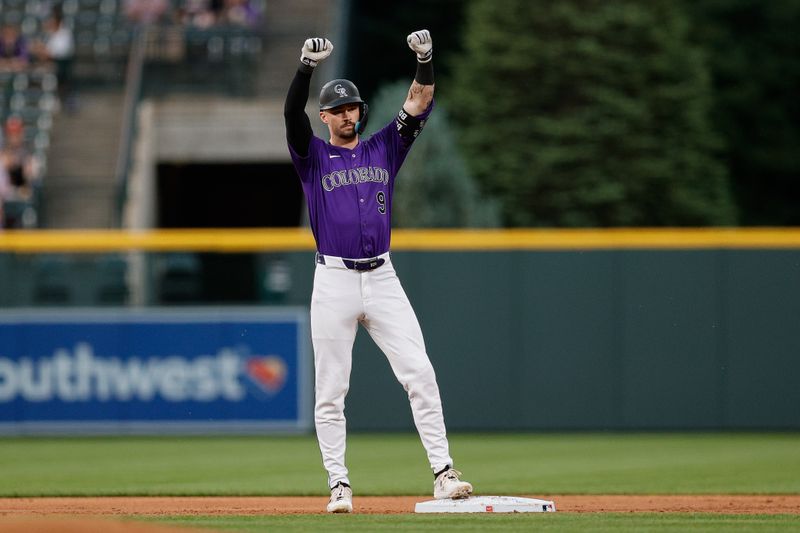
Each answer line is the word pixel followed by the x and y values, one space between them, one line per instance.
pixel 361 265
pixel 364 265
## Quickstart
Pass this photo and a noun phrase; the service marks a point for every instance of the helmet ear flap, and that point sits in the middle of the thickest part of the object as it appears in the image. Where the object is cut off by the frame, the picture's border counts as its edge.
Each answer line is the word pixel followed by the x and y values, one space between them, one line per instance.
pixel 362 119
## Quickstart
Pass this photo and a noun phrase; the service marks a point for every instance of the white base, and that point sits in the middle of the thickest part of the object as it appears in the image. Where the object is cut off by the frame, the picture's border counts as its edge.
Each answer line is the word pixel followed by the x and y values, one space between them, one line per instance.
pixel 487 504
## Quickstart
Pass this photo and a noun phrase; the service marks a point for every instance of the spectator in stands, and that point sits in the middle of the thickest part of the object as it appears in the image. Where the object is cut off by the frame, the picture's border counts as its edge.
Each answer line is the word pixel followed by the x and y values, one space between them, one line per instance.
pixel 217 7
pixel 6 191
pixel 17 161
pixel 241 13
pixel 197 14
pixel 57 48
pixel 146 11
pixel 13 49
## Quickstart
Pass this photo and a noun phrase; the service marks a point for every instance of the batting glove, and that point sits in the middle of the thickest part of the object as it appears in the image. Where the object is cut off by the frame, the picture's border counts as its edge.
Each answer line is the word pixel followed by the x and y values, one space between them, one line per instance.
pixel 422 43
pixel 315 50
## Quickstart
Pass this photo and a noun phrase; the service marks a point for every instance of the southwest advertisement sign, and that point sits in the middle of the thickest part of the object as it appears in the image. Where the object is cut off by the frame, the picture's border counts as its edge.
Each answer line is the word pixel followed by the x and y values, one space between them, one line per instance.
pixel 154 371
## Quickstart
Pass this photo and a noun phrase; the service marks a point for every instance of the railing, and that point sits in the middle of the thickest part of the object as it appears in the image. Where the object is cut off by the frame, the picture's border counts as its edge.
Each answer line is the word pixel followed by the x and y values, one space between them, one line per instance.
pixel 151 46
pixel 133 91
pixel 218 60
pixel 301 239
pixel 78 268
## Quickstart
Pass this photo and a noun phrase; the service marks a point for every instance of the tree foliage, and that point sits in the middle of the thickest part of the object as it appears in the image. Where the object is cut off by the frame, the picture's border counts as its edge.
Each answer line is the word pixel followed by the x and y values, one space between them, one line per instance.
pixel 589 113
pixel 754 54
pixel 434 187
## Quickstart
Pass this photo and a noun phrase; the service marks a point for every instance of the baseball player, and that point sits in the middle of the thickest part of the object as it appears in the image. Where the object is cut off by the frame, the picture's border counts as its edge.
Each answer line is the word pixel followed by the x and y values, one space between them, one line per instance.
pixel 348 183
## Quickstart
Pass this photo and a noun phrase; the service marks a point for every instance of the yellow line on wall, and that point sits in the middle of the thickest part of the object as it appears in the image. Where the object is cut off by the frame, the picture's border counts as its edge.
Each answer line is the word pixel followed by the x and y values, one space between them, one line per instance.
pixel 592 239
pixel 210 240
pixel 294 239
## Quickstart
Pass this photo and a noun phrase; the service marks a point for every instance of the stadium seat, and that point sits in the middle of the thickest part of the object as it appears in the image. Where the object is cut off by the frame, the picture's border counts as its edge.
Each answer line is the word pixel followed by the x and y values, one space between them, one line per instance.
pixel 50 280
pixel 110 275
pixel 18 214
pixel 180 280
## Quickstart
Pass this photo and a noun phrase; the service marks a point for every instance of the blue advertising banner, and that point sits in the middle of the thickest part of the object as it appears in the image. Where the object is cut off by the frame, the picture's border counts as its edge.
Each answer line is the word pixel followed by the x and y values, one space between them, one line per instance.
pixel 154 371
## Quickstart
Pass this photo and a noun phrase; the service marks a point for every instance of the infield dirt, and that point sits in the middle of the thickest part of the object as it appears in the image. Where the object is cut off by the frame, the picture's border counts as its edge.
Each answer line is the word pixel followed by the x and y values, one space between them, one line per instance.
pixel 223 505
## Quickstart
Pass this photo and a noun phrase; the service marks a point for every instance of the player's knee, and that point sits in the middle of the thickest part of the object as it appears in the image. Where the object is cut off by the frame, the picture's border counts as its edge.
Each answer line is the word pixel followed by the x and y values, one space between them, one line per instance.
pixel 330 397
pixel 329 410
pixel 421 375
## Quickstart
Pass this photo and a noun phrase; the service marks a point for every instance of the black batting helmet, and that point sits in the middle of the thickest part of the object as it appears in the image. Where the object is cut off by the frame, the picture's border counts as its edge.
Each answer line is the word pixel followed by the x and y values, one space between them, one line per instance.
pixel 340 92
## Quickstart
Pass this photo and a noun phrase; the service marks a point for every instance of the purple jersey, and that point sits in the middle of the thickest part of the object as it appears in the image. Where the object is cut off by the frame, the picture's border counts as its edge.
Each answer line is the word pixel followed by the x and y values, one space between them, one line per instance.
pixel 349 192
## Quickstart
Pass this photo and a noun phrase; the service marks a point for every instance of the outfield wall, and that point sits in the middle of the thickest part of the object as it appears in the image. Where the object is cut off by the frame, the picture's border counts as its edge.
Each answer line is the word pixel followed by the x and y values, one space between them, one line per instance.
pixel 602 340
pixel 561 330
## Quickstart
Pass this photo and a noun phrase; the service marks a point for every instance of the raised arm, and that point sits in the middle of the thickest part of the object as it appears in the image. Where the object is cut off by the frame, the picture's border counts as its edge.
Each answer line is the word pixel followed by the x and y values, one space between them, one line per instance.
pixel 298 126
pixel 420 94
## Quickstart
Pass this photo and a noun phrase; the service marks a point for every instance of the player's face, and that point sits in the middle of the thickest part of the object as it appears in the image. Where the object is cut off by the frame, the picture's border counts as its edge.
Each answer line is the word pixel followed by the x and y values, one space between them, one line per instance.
pixel 342 120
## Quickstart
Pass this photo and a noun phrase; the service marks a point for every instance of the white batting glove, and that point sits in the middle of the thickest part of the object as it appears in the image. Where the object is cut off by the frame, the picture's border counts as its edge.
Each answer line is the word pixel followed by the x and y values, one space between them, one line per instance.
pixel 315 50
pixel 422 43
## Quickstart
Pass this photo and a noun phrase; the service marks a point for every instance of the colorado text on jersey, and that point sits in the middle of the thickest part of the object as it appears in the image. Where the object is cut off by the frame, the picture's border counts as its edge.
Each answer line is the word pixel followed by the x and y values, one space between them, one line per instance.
pixel 340 178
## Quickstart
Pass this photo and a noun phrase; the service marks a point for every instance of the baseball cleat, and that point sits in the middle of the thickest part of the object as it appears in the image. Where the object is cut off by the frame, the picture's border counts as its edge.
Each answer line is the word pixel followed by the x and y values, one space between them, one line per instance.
pixel 448 486
pixel 341 499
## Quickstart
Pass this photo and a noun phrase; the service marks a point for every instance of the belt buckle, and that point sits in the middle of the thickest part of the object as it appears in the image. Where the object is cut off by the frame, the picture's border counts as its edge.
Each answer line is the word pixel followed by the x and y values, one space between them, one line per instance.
pixel 367 265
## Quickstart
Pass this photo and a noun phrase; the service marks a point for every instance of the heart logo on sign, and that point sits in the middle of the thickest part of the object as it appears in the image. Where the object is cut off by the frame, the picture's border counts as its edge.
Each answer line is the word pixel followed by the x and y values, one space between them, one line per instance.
pixel 267 372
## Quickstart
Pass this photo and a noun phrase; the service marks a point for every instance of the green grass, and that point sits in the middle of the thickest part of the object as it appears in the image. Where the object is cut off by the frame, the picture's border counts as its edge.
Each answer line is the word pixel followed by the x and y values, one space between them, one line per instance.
pixel 396 464
pixel 595 522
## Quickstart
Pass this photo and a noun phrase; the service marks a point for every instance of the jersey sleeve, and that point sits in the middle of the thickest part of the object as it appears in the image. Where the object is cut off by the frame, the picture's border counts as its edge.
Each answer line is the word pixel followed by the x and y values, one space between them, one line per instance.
pixel 298 126
pixel 307 165
pixel 400 134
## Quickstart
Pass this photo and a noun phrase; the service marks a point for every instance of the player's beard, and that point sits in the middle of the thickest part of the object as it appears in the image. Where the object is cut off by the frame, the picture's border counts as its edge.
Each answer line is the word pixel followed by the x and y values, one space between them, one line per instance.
pixel 347 131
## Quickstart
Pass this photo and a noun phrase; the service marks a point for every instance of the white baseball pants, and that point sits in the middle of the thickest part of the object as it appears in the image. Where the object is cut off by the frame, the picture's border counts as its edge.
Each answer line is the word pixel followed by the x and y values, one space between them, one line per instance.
pixel 341 299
